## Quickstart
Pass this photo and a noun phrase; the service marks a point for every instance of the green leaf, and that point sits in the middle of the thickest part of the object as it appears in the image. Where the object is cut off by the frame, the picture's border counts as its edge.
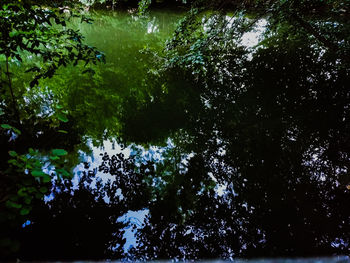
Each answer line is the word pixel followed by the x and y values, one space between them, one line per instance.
pixel 12 153
pixel 14 162
pixel 62 117
pixel 21 192
pixel 62 131
pixel 16 130
pixel 59 152
pixel 24 211
pixel 37 164
pixel 6 126
pixel 46 178
pixel 54 158
pixel 28 200
pixel 13 204
pixel 13 33
pixel 24 158
pixel 31 151
pixel 38 173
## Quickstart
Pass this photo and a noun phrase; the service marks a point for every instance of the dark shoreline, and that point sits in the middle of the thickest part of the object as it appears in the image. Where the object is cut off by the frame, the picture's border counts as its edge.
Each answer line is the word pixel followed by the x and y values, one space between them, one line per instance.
pixel 134 5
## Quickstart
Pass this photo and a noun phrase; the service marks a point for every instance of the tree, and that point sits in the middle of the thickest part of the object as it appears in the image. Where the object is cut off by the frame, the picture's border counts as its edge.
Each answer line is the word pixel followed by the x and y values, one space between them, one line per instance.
pixel 33 31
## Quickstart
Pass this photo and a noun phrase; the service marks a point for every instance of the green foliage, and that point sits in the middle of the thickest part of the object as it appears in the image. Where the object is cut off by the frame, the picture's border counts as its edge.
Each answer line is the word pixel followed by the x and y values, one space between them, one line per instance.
pixel 58 152
pixel 143 6
pixel 43 33
pixel 35 42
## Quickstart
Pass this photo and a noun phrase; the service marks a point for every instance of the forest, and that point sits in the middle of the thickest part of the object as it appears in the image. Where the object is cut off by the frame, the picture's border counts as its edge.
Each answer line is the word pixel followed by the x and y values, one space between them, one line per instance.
pixel 174 130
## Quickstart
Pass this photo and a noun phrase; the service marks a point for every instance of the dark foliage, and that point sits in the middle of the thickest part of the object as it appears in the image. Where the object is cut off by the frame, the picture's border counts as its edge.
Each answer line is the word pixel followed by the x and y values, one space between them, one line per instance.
pixel 272 127
pixel 81 222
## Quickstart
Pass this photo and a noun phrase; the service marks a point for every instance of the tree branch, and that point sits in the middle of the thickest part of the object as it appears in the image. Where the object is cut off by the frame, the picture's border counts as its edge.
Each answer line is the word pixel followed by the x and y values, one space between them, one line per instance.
pixel 309 28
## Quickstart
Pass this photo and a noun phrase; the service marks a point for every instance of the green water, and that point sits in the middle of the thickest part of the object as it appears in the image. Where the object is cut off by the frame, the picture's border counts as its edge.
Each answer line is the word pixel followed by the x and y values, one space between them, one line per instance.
pixel 96 102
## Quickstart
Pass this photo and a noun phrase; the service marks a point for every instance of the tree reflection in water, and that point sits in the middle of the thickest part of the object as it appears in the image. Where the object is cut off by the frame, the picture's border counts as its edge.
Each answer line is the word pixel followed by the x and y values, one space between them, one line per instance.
pixel 268 125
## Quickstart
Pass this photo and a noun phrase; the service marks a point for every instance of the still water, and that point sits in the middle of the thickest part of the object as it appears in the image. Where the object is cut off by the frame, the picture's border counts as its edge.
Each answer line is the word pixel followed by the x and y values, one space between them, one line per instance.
pixel 206 188
pixel 96 102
